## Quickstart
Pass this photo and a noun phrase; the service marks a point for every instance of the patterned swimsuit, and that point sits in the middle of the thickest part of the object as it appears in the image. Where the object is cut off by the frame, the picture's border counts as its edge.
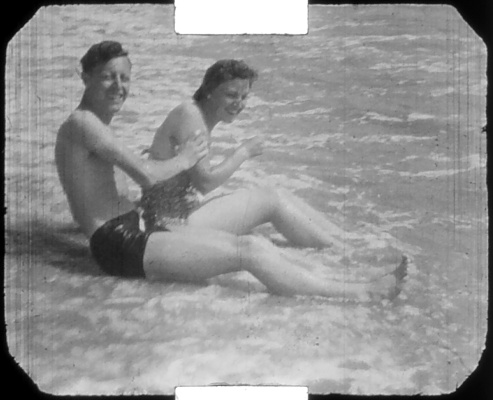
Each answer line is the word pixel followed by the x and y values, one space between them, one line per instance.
pixel 169 202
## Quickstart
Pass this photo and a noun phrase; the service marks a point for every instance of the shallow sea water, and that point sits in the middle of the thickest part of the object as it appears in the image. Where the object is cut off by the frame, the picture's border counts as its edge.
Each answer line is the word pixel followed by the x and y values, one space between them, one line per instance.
pixel 374 118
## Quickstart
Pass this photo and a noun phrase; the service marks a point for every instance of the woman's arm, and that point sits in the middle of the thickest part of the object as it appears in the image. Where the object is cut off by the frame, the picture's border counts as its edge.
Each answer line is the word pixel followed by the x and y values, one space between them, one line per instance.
pixel 206 177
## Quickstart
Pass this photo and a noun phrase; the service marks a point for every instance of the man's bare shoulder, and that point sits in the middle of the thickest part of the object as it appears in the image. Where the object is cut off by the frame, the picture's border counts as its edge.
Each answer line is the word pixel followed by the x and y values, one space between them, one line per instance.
pixel 80 123
pixel 84 119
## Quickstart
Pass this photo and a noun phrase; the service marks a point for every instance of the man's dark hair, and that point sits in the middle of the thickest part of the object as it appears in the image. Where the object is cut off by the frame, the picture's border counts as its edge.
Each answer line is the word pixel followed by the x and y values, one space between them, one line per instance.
pixel 223 71
pixel 101 53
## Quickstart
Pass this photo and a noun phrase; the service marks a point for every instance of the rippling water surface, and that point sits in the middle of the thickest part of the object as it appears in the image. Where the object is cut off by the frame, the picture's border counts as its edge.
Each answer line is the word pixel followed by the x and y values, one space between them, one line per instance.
pixel 374 118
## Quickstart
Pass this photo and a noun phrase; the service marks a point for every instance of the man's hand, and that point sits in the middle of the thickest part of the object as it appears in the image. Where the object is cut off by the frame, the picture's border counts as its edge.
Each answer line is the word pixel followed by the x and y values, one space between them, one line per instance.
pixel 252 147
pixel 193 150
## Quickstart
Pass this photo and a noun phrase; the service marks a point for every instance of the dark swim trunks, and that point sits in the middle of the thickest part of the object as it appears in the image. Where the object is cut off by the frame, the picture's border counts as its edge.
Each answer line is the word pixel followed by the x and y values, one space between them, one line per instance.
pixel 169 202
pixel 118 246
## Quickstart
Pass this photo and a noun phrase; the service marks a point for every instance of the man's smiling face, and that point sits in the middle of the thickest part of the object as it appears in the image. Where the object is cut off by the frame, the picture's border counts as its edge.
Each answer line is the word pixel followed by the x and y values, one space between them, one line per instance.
pixel 108 85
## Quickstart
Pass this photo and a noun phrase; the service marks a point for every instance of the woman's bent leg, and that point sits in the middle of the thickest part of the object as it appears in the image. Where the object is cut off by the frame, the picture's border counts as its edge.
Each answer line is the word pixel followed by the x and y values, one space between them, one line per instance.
pixel 323 227
pixel 243 210
pixel 238 213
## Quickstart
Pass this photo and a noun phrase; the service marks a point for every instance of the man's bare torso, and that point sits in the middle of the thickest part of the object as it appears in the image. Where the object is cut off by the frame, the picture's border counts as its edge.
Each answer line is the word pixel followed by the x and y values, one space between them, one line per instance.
pixel 87 179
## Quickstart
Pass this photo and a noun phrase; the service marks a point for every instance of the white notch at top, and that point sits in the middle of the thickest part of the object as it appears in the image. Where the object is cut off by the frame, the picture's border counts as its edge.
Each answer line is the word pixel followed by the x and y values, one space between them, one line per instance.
pixel 236 17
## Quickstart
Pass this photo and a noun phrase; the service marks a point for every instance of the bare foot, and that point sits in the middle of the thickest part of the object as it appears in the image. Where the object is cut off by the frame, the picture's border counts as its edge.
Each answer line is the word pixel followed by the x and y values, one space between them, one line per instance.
pixel 389 285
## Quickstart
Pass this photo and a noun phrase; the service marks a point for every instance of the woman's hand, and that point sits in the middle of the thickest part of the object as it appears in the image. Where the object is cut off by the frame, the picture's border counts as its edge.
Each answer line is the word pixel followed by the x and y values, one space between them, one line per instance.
pixel 252 147
pixel 193 150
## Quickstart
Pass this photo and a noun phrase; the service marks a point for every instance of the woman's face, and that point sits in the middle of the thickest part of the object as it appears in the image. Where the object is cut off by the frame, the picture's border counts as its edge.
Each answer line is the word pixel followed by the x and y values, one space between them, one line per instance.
pixel 108 85
pixel 229 99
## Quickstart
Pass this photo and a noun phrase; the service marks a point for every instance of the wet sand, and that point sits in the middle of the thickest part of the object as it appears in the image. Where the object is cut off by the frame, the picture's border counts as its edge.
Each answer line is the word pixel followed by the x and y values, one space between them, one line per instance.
pixel 374 118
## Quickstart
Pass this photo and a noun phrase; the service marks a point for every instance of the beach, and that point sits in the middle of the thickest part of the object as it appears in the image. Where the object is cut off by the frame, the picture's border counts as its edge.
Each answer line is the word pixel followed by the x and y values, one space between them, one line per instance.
pixel 374 117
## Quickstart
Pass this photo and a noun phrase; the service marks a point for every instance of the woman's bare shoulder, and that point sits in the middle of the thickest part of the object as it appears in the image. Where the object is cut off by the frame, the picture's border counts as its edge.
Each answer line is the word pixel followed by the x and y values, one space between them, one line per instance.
pixel 186 118
pixel 188 109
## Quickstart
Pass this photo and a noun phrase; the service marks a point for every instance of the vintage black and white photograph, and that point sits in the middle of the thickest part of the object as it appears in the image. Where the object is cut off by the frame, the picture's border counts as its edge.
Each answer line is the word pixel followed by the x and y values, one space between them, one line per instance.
pixel 187 210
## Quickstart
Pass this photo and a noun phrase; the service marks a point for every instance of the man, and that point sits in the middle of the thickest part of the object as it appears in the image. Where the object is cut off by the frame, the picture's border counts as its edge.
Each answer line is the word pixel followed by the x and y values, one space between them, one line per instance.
pixel 86 154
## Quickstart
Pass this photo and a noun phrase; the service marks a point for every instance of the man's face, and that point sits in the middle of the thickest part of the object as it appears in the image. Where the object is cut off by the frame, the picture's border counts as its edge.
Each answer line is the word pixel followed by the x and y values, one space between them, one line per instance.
pixel 108 85
pixel 229 99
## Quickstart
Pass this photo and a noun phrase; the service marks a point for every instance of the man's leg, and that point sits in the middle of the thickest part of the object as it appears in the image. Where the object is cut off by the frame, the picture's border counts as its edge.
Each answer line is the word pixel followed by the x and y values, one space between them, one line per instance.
pixel 189 254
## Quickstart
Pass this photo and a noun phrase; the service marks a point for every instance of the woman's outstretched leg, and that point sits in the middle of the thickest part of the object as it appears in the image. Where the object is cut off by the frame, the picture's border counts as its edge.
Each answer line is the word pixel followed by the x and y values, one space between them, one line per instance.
pixel 244 210
pixel 193 255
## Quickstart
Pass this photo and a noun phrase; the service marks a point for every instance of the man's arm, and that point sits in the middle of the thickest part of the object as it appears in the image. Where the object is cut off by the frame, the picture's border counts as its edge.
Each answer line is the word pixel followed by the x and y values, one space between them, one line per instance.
pixel 206 177
pixel 99 140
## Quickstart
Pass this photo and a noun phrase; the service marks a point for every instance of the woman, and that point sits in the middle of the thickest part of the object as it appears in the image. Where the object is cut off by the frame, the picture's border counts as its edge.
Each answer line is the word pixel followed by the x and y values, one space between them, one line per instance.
pixel 221 97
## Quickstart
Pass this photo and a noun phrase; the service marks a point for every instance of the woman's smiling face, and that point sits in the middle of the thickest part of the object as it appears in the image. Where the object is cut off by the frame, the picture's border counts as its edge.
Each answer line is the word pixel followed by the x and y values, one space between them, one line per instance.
pixel 229 99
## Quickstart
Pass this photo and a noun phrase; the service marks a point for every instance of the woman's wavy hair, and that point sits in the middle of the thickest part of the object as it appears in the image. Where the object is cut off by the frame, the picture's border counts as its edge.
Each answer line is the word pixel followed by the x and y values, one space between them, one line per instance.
pixel 223 71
